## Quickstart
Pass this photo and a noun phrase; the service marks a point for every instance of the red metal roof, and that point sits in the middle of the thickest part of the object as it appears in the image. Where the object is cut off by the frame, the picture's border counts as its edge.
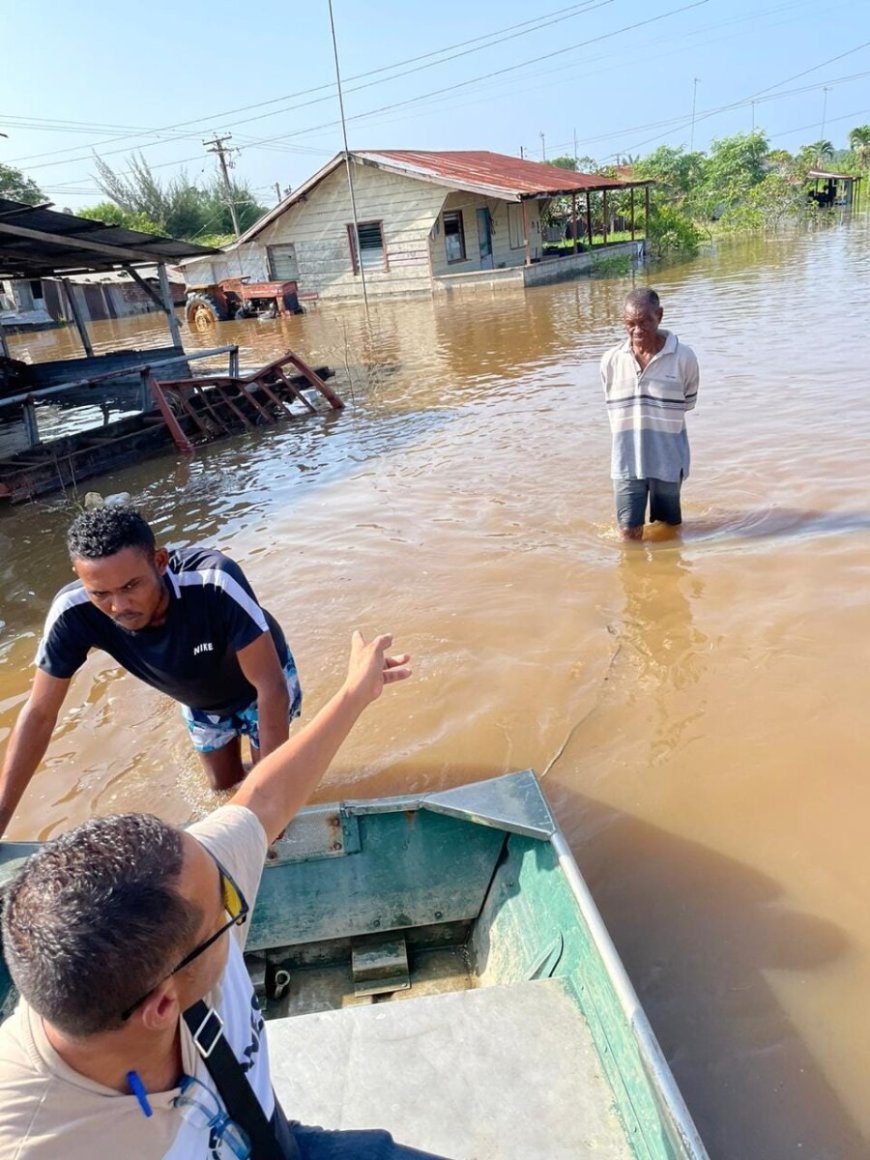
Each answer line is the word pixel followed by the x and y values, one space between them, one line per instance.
pixel 482 171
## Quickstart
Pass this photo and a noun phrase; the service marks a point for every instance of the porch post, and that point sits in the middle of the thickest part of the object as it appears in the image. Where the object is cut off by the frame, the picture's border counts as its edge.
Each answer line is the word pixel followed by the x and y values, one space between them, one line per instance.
pixel 632 213
pixel 4 348
pixel 166 295
pixel 78 318
pixel 527 260
pixel 574 220
pixel 604 213
pixel 646 211
pixel 588 219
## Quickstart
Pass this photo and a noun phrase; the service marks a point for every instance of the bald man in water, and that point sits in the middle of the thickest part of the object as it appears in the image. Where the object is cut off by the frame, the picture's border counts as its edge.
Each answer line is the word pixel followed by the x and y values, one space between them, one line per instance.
pixel 650 381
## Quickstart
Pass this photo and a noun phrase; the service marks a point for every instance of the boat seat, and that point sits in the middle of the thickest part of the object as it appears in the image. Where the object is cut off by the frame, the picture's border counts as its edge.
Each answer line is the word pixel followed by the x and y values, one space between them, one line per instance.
pixel 495 1073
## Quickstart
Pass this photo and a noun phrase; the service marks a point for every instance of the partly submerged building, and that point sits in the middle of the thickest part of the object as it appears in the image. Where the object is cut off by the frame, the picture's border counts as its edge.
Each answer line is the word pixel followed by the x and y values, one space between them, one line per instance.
pixel 427 221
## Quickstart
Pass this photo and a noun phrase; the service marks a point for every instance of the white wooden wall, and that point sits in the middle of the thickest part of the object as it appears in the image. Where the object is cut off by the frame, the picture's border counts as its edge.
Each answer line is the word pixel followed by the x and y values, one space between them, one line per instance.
pixel 248 261
pixel 318 228
pixel 503 254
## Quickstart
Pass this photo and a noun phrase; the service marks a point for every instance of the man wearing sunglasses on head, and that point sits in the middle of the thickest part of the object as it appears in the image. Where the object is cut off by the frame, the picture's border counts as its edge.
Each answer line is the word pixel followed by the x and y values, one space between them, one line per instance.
pixel 124 938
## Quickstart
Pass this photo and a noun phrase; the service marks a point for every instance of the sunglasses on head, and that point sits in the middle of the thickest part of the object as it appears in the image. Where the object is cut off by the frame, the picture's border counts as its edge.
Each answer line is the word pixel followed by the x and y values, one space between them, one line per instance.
pixel 237 908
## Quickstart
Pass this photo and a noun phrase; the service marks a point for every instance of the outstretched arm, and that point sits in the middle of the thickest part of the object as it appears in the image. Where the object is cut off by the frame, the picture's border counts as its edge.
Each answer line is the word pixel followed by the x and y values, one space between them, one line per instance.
pixel 279 785
pixel 29 740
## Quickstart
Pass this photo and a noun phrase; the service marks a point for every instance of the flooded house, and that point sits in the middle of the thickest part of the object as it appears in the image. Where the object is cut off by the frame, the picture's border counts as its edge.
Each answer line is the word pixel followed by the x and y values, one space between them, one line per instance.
pixel 426 222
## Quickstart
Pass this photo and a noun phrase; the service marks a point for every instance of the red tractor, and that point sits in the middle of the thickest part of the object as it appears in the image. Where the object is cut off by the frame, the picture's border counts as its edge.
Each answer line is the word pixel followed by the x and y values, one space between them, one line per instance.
pixel 236 298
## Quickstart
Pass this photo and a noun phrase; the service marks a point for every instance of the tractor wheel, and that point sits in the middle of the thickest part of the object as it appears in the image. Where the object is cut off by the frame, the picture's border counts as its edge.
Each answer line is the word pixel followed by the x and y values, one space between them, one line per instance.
pixel 203 311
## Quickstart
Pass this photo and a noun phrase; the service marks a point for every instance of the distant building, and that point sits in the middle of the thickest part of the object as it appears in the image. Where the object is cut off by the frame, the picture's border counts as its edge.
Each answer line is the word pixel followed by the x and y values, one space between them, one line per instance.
pixel 22 305
pixel 36 304
pixel 428 221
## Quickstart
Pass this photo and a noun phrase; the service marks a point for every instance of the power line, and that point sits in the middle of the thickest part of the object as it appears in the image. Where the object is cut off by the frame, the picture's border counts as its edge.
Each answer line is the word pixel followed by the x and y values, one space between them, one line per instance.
pixel 486 76
pixel 497 37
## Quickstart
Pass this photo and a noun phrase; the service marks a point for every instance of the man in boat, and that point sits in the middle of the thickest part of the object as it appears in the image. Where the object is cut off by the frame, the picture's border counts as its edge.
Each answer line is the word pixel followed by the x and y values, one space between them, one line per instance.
pixel 116 929
pixel 187 623
pixel 650 382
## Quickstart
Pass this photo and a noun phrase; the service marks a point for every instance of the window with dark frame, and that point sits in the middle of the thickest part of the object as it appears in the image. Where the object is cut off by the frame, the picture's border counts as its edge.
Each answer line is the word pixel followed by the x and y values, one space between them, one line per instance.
pixel 454 236
pixel 371 246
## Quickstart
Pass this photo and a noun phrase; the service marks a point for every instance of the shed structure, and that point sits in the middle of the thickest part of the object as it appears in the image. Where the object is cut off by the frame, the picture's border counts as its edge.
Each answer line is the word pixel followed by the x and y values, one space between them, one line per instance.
pixel 38 245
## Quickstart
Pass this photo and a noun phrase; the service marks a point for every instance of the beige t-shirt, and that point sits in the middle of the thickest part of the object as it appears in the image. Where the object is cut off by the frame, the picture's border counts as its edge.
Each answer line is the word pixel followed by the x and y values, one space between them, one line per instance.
pixel 47 1110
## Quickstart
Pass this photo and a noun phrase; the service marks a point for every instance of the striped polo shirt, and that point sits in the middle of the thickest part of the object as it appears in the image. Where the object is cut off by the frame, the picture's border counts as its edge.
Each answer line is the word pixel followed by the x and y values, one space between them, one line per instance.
pixel 647 410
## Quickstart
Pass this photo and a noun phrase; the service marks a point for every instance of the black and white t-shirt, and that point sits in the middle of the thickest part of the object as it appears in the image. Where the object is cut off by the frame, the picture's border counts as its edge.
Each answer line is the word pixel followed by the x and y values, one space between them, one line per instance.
pixel 212 613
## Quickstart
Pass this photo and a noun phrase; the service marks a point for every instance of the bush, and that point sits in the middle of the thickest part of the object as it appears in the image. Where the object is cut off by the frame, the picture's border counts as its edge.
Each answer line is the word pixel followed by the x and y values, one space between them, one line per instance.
pixel 671 232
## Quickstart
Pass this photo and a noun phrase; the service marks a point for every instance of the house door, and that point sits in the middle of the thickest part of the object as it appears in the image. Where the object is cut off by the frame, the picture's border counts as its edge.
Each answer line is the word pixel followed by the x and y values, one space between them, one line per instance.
pixel 484 237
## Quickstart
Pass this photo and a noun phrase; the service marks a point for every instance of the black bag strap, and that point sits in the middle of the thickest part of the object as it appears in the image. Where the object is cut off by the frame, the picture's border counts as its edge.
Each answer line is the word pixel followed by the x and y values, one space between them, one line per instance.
pixel 207 1029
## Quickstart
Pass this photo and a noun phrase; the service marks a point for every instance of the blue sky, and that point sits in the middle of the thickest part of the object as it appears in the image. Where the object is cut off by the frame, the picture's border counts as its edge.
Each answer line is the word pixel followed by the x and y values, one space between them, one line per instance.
pixel 620 74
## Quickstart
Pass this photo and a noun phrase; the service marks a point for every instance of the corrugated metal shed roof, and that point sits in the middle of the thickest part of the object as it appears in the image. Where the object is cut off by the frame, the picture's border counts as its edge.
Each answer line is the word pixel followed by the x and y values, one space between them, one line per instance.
pixel 37 242
pixel 476 171
pixel 833 176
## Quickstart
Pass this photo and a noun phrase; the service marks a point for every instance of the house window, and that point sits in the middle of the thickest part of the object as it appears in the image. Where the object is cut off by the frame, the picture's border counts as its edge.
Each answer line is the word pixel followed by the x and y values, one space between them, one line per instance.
pixel 454 236
pixel 371 246
pixel 282 262
pixel 515 226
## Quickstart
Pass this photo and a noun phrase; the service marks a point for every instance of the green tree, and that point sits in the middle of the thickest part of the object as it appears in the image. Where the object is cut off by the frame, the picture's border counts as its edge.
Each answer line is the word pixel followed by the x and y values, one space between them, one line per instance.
pixel 677 174
pixel 15 186
pixel 177 208
pixel 736 164
pixel 564 163
pixel 778 200
pixel 820 151
pixel 859 142
pixel 113 215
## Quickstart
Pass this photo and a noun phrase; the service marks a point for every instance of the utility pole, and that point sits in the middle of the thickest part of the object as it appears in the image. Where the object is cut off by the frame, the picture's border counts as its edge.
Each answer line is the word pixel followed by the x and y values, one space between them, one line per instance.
pixel 753 116
pixel 357 246
pixel 824 111
pixel 277 190
pixel 694 103
pixel 543 146
pixel 217 146
pixel 522 154
pixel 575 148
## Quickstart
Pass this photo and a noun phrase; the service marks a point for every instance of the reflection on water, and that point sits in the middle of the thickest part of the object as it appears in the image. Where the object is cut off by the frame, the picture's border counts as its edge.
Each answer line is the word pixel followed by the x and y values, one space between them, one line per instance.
pixel 697 701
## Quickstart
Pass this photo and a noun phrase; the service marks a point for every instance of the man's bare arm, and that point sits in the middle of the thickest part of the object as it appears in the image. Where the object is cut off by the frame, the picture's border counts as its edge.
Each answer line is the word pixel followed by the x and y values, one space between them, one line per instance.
pixel 259 662
pixel 29 740
pixel 279 785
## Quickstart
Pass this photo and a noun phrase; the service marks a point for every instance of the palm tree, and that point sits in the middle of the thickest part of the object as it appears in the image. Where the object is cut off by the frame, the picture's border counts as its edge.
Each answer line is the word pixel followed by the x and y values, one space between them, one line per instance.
pixel 859 142
pixel 821 149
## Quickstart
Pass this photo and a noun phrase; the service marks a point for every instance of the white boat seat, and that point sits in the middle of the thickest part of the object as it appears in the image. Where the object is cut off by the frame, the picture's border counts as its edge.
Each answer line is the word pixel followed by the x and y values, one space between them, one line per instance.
pixel 495 1073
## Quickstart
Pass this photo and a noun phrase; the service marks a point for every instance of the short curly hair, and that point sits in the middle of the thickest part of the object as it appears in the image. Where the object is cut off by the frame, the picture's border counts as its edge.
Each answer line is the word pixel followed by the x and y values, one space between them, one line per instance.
pixel 96 534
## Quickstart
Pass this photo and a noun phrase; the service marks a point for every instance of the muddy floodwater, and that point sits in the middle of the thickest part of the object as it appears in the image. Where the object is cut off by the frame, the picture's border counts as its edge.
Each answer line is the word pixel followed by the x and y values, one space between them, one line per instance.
pixel 698 707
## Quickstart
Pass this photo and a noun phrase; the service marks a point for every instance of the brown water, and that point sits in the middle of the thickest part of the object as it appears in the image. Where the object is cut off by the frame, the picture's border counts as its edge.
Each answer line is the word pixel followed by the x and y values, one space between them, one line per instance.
pixel 696 705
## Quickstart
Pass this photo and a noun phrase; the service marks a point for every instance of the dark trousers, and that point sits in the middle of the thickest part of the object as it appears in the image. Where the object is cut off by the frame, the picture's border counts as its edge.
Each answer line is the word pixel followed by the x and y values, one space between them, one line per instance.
pixel 372 1144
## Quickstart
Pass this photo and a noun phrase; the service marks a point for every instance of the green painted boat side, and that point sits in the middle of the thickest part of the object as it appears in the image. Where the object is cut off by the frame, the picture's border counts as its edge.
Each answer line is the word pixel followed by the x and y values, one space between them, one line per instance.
pixel 531 927
pixel 406 872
